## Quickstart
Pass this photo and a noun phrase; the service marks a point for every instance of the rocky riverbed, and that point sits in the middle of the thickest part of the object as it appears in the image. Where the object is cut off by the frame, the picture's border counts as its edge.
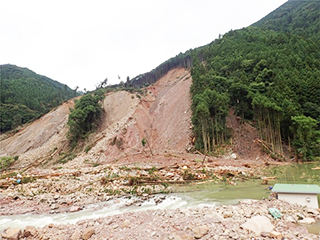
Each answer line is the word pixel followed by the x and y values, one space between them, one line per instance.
pixel 249 219
pixel 63 190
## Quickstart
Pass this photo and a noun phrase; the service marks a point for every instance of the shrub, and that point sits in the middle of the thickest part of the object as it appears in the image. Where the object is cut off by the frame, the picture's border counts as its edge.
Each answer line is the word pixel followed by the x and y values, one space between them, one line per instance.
pixel 5 162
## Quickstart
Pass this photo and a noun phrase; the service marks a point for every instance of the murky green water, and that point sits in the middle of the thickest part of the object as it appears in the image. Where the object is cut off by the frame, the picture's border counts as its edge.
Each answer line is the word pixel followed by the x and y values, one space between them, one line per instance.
pixel 254 189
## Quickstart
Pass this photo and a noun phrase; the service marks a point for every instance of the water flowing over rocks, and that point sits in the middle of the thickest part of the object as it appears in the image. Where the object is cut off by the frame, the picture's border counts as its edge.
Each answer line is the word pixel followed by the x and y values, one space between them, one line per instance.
pixel 186 223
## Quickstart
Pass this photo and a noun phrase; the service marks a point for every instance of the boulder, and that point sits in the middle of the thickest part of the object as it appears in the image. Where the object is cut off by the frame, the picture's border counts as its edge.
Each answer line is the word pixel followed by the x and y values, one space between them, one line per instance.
pixel 126 223
pixel 313 211
pixel 87 233
pixel 276 235
pixel 258 224
pixel 233 156
pixel 30 231
pixel 200 231
pixel 290 219
pixel 307 221
pixel 227 214
pixel 11 234
pixel 181 236
pixel 75 209
pixel 76 235
pixel 217 217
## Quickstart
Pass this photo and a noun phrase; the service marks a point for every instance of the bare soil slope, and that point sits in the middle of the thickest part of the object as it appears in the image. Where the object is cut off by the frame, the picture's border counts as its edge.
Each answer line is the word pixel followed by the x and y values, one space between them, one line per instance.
pixel 161 115
pixel 41 138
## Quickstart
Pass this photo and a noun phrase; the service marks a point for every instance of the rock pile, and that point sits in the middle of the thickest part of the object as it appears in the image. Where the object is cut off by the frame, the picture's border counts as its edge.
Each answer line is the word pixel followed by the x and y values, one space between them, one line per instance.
pixel 247 220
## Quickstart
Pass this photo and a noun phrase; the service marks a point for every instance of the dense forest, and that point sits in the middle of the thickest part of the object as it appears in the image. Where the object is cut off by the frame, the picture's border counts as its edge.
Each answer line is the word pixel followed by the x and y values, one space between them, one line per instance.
pixel 270 74
pixel 25 96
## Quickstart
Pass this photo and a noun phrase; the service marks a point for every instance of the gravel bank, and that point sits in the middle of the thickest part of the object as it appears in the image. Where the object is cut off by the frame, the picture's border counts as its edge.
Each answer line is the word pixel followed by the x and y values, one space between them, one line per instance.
pixel 247 220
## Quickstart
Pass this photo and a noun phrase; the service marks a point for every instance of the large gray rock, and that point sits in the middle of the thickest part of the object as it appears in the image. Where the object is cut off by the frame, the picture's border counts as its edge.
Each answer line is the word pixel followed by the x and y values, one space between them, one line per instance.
pixel 258 224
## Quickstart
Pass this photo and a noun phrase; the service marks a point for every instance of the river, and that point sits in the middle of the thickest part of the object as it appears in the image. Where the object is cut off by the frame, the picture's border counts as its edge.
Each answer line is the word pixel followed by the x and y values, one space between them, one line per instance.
pixel 183 196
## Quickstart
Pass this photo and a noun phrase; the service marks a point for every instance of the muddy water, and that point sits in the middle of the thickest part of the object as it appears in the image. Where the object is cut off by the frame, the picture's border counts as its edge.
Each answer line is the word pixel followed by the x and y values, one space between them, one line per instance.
pixel 296 174
pixel 182 196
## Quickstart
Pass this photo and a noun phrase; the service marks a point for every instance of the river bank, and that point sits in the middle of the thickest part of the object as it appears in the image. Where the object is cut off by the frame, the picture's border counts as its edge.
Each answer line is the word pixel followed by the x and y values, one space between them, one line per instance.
pixel 71 190
pixel 249 219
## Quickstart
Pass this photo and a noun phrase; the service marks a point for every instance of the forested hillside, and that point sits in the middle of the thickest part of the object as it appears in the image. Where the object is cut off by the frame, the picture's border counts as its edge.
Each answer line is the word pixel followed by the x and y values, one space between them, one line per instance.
pixel 295 17
pixel 26 95
pixel 269 74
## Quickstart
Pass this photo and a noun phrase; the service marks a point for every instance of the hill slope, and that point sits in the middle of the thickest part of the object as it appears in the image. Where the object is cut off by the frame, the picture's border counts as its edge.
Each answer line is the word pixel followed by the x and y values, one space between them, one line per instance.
pixel 25 95
pixel 295 17
pixel 162 115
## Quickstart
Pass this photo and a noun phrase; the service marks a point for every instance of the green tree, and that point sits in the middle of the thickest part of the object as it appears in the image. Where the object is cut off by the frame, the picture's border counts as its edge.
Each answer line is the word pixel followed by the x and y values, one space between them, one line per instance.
pixel 84 116
pixel 306 137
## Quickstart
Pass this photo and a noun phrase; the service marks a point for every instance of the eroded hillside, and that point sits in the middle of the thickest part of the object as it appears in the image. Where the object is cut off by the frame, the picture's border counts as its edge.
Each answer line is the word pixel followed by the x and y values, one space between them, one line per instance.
pixel 161 115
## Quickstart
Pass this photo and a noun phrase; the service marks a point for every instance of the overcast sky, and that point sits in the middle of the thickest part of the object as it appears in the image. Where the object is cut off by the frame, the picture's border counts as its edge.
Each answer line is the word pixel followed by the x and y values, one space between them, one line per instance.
pixel 80 43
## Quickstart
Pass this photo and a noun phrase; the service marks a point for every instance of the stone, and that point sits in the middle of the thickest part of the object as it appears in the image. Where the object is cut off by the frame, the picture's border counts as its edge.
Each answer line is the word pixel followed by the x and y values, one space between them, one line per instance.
pixel 227 214
pixel 169 175
pixel 126 223
pixel 217 217
pixel 181 236
pixel 11 234
pixel 75 209
pixel 54 207
pixel 30 231
pixel 200 231
pixel 276 235
pixel 258 224
pixel 307 221
pixel 290 219
pixel 300 216
pixel 76 235
pixel 87 233
pixel 233 156
pixel 312 211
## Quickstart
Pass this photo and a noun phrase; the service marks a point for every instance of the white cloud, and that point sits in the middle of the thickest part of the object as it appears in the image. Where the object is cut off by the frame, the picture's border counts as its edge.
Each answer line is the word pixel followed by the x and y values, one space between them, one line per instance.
pixel 80 43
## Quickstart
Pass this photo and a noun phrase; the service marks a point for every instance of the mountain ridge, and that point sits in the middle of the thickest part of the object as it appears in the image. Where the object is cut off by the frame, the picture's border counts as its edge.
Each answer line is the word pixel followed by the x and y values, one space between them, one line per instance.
pixel 26 95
